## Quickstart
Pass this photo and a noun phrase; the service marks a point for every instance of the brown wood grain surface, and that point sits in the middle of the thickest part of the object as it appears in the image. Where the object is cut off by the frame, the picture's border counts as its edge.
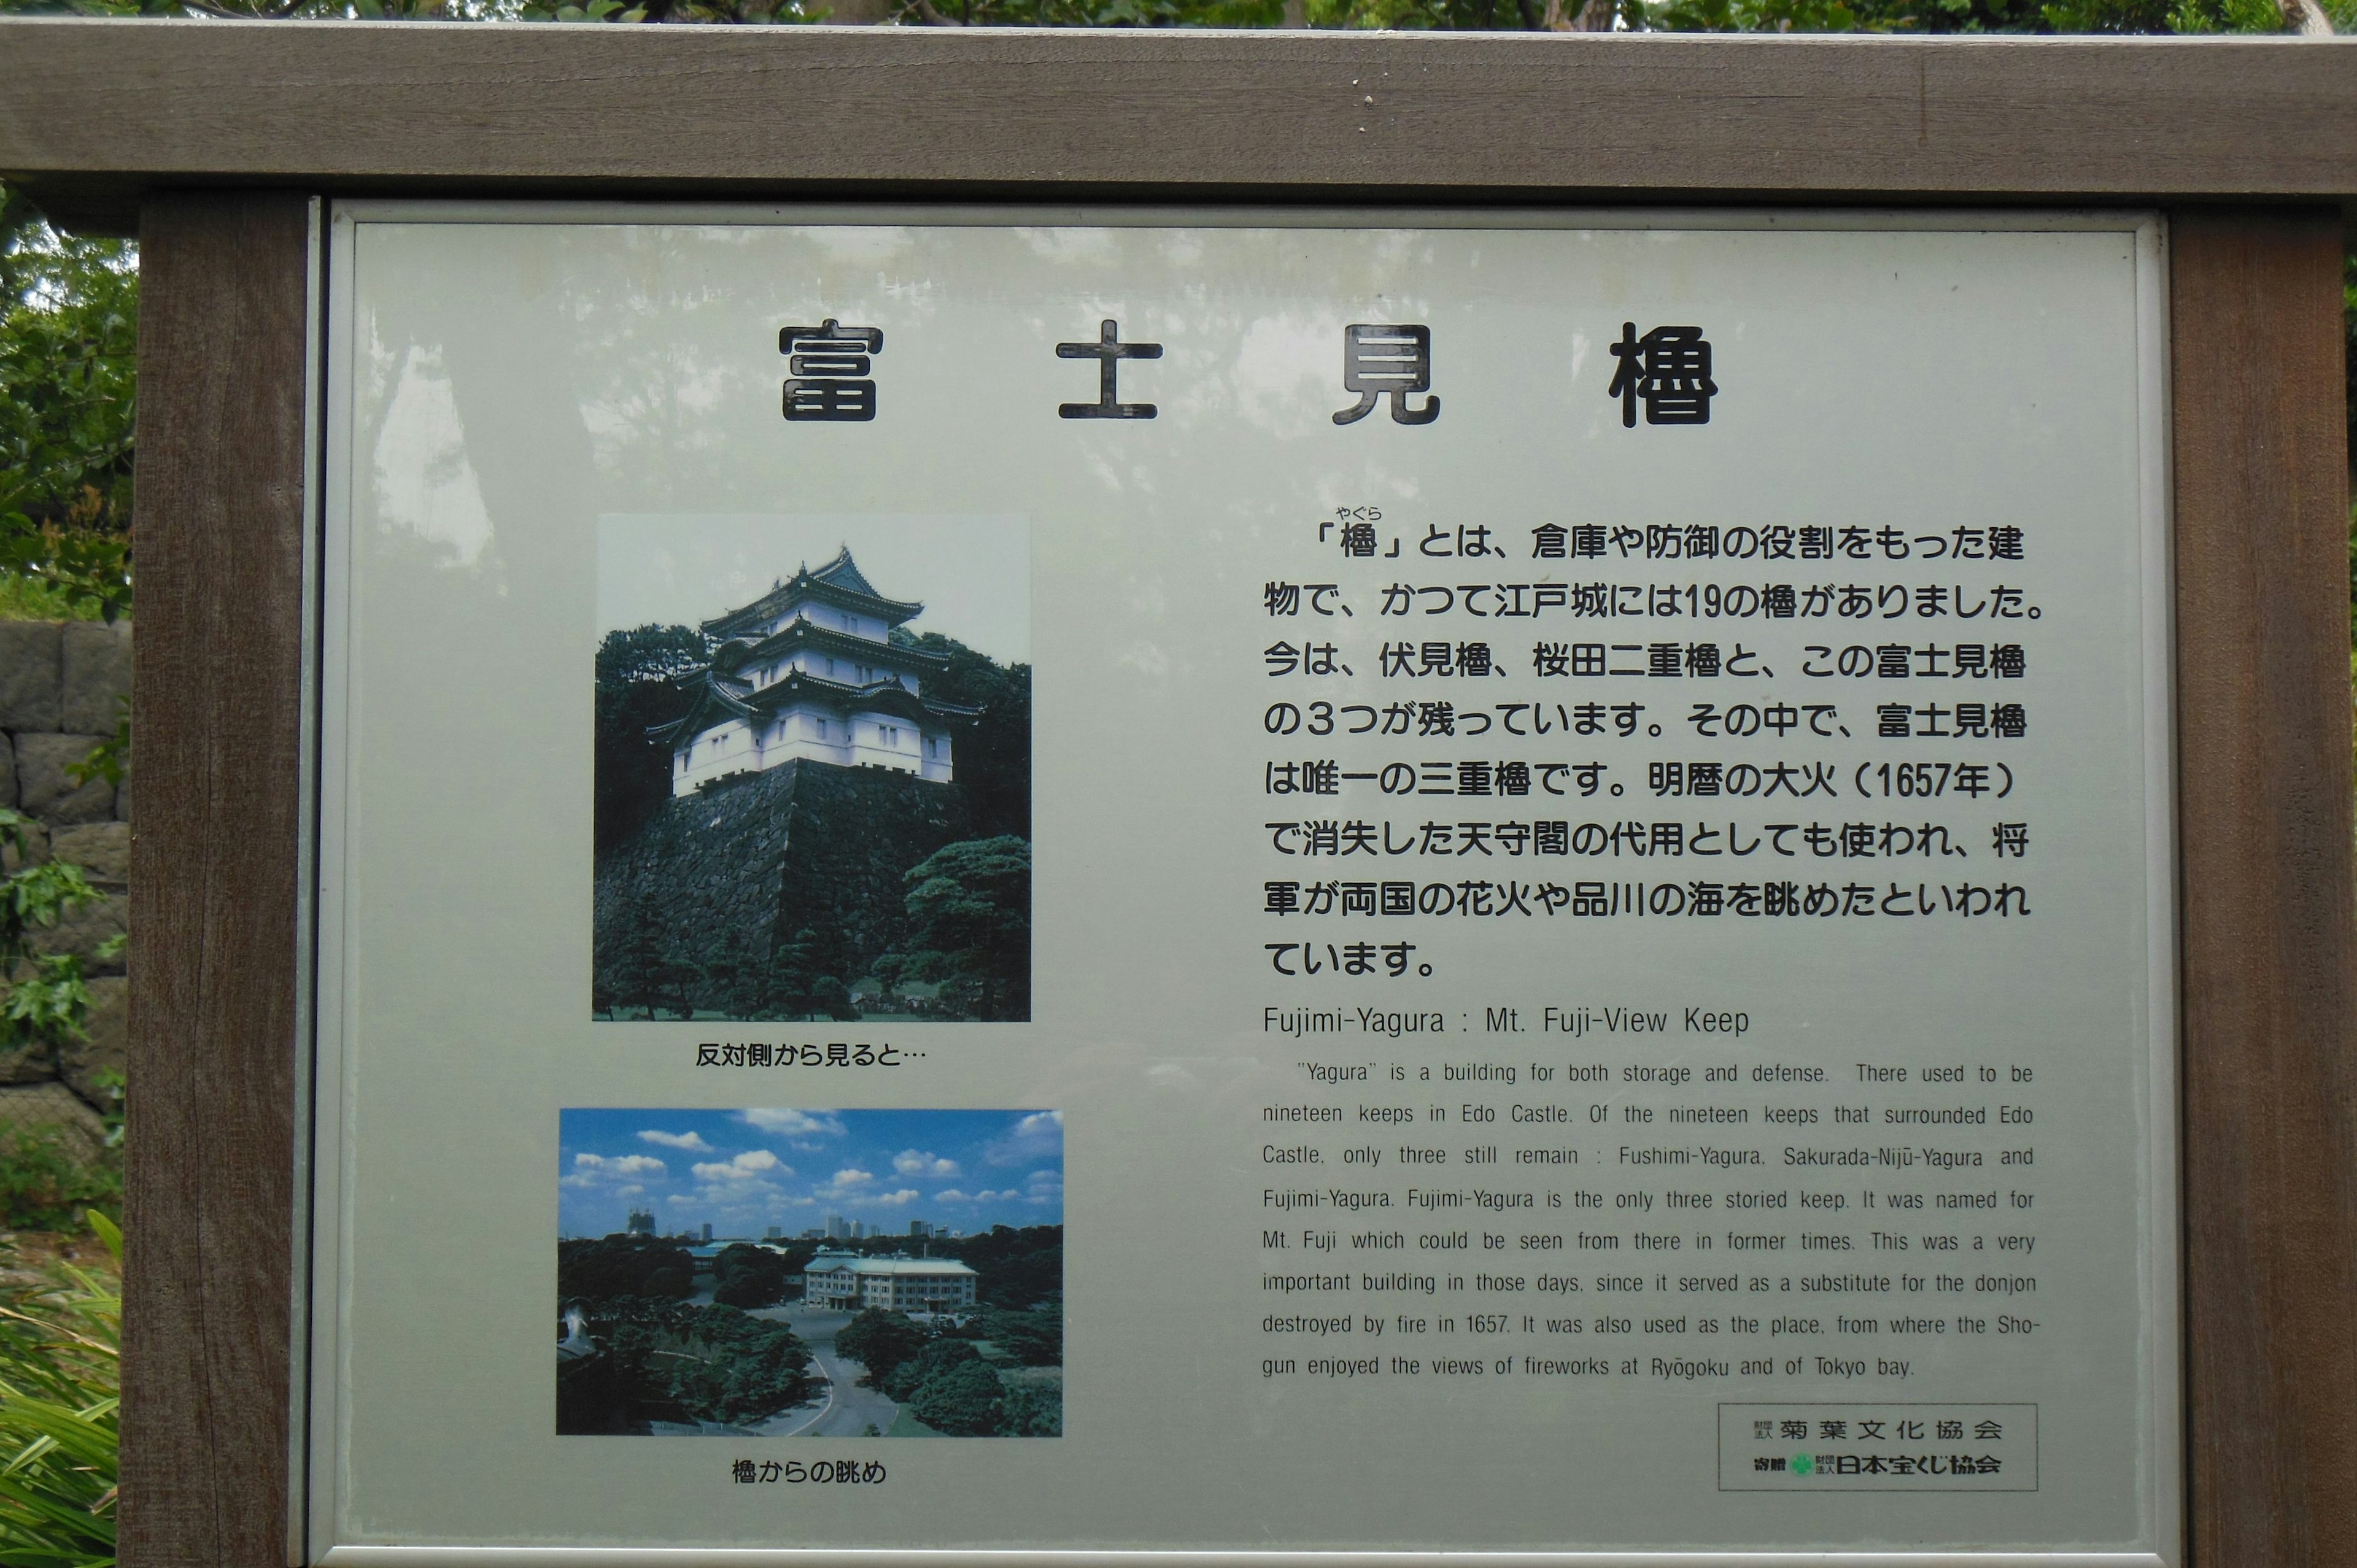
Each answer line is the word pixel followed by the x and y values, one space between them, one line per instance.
pixel 92 111
pixel 217 688
pixel 2270 923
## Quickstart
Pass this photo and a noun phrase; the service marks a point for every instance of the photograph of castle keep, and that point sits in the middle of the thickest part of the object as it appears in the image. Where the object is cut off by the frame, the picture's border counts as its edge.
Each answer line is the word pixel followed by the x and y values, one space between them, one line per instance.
pixel 812 769
pixel 809 670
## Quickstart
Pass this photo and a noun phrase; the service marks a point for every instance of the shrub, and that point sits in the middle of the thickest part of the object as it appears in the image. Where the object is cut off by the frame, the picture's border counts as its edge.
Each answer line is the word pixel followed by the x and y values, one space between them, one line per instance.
pixel 962 1402
pixel 43 1185
pixel 901 1384
pixel 748 1276
pixel 60 1345
pixel 1032 1410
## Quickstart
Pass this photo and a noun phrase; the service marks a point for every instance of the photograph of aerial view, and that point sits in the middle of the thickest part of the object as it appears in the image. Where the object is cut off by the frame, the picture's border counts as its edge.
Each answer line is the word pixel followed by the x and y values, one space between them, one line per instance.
pixel 810 1273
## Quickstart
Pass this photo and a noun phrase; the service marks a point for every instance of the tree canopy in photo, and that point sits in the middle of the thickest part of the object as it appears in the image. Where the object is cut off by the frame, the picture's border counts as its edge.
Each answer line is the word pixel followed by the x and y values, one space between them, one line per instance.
pixel 747 1276
pixel 942 1378
pixel 624 1265
pixel 636 669
pixel 970 926
pixel 1019 1269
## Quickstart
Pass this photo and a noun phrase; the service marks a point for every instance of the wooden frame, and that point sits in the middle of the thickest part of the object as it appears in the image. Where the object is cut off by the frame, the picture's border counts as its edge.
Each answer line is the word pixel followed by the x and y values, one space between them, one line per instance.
pixel 92 114
pixel 2270 1177
pixel 215 137
pixel 210 1371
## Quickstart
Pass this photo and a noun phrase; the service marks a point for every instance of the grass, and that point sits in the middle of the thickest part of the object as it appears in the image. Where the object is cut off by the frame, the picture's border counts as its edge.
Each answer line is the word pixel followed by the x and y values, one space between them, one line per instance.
pixel 59 1346
pixel 29 599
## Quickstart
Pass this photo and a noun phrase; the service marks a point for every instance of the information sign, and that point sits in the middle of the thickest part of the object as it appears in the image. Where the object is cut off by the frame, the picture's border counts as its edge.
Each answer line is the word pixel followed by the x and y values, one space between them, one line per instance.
pixel 1315 882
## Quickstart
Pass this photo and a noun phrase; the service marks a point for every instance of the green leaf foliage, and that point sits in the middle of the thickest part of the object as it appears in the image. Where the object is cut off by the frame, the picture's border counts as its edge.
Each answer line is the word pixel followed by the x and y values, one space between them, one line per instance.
pixel 111 758
pixel 68 342
pixel 726 1367
pixel 1032 1410
pixel 59 1353
pixel 963 1401
pixel 748 1276
pixel 945 1381
pixel 773 12
pixel 913 1373
pixel 1017 1269
pixel 637 669
pixel 44 1005
pixel 651 1360
pixel 970 924
pixel 44 1187
pixel 880 1341
pixel 994 752
pixel 69 316
pixel 1033 1339
pixel 612 1266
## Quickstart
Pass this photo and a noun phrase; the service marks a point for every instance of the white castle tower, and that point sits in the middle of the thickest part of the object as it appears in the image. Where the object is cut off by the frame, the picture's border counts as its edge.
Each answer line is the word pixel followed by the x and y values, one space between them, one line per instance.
pixel 808 670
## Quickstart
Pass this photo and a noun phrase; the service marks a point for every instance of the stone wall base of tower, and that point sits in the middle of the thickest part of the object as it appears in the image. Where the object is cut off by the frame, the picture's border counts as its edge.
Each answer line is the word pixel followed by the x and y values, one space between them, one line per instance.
pixel 725 877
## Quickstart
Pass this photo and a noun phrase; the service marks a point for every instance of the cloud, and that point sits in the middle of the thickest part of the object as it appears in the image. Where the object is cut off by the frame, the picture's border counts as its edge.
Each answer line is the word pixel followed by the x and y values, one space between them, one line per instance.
pixel 594 1166
pixel 752 1163
pixel 692 1142
pixel 921 1163
pixel 1038 1192
pixel 795 1123
pixel 1038 1136
pixel 894 1199
pixel 850 1182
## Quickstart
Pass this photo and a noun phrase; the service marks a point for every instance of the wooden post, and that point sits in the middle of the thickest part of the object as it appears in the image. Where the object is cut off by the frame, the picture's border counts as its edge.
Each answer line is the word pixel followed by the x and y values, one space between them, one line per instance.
pixel 2270 919
pixel 217 683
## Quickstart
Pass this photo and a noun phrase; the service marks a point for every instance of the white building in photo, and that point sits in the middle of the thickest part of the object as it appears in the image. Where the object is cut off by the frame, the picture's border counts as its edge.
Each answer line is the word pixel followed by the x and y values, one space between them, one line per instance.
pixel 809 670
pixel 848 1282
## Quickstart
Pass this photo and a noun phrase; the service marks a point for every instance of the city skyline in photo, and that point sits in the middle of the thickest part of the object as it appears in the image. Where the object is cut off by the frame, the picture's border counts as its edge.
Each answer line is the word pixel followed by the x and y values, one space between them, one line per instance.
pixel 743 1172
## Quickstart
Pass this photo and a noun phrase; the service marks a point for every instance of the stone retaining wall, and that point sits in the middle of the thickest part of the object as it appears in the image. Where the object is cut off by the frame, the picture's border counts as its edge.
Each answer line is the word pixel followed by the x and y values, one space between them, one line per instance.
pixel 61 690
pixel 761 857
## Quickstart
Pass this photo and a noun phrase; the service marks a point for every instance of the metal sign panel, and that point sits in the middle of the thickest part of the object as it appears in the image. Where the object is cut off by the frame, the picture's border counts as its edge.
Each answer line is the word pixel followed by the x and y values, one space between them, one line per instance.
pixel 1545 840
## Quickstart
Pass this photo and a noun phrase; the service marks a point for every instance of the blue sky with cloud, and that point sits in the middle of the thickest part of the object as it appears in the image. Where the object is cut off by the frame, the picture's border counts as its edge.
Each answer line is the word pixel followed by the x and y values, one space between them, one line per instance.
pixel 744 1171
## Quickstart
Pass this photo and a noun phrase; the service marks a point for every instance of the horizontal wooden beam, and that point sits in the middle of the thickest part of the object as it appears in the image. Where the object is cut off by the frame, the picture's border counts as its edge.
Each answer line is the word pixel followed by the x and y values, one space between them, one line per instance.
pixel 96 112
